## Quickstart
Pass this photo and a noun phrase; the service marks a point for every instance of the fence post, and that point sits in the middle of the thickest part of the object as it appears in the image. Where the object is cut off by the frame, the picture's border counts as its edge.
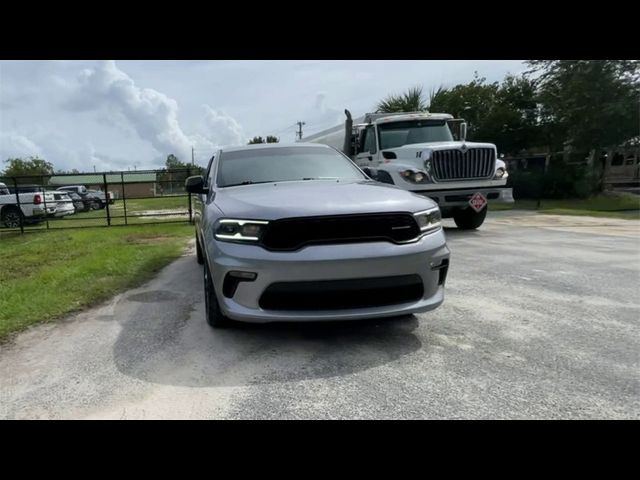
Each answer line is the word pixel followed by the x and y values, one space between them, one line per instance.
pixel 15 185
pixel 44 202
pixel 124 198
pixel 106 191
pixel 189 198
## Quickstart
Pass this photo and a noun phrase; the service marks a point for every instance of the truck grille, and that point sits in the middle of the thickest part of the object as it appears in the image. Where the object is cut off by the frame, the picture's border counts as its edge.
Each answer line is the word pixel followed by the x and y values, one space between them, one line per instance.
pixel 459 165
pixel 294 233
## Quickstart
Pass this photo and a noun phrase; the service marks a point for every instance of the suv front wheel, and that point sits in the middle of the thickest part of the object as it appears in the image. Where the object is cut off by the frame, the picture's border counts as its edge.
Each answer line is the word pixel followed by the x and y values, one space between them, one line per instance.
pixel 215 317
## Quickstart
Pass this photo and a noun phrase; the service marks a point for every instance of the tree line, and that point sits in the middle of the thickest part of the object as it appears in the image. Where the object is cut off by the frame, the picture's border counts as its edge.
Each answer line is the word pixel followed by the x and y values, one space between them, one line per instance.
pixel 583 106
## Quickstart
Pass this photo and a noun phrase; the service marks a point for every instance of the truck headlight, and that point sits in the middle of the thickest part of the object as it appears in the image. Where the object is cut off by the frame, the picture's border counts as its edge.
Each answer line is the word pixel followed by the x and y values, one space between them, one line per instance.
pixel 501 172
pixel 414 176
pixel 235 230
pixel 429 220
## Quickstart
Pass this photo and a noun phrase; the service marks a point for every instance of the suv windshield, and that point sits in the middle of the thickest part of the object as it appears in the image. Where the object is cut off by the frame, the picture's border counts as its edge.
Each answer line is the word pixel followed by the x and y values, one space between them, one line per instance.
pixel 396 134
pixel 283 164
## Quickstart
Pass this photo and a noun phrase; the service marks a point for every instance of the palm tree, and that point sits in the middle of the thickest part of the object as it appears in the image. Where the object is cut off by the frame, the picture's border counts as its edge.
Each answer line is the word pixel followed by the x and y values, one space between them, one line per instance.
pixel 411 101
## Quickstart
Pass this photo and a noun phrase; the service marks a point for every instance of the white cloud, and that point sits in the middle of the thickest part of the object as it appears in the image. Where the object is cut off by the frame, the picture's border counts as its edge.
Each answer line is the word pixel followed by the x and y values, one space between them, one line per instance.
pixel 225 130
pixel 14 145
pixel 80 113
pixel 152 114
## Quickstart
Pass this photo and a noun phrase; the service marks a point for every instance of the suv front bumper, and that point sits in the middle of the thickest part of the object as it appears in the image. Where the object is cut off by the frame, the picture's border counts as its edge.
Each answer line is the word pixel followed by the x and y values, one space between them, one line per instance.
pixel 327 263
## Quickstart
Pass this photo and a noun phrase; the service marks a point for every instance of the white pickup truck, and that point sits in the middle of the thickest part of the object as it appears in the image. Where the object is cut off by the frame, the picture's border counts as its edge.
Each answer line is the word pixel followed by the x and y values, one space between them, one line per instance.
pixel 24 207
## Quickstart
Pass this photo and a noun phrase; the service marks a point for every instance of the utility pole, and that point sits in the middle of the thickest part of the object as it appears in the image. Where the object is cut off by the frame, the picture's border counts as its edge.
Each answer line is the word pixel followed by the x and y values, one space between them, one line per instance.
pixel 192 157
pixel 299 132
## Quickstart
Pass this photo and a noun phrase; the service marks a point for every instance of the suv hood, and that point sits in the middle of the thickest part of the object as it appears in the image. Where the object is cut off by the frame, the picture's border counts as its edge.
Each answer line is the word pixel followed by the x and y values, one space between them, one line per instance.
pixel 272 201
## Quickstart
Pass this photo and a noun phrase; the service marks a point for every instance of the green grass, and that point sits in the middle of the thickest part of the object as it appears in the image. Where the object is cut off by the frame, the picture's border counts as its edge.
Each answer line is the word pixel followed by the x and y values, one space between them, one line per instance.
pixel 156 203
pixel 179 205
pixel 624 205
pixel 44 276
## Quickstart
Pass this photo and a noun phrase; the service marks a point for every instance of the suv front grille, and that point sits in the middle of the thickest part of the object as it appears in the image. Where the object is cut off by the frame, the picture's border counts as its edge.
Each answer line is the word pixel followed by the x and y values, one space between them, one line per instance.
pixel 342 294
pixel 294 233
pixel 459 165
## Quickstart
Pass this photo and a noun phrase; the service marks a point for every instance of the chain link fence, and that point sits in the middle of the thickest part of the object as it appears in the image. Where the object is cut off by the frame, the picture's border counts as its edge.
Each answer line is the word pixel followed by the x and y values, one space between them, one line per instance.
pixel 44 202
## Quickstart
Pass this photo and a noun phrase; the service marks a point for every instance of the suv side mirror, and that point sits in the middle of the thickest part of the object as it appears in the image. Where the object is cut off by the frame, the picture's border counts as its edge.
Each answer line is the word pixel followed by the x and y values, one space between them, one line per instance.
pixel 195 184
pixel 463 131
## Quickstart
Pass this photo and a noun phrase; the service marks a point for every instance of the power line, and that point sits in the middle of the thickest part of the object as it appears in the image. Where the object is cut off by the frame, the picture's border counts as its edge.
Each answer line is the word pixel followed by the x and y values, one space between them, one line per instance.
pixel 285 128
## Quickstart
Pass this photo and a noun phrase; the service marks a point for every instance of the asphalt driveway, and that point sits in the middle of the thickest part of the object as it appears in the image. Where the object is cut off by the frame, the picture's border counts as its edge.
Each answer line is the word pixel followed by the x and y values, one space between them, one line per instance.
pixel 541 320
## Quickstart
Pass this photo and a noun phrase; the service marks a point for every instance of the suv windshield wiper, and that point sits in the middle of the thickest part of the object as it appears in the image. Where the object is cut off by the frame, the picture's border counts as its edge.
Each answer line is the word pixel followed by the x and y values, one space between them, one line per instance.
pixel 248 182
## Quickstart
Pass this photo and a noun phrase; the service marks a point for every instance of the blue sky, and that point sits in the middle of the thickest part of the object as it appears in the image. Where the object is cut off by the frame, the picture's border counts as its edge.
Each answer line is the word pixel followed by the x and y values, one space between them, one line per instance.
pixel 121 114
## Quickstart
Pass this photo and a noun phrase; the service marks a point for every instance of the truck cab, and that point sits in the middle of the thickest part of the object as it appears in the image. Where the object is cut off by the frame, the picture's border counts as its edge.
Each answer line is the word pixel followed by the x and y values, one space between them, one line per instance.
pixel 426 153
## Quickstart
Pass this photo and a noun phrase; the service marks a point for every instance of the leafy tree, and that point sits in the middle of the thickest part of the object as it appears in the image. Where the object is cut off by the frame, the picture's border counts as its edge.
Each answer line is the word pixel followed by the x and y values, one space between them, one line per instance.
pixel 172 177
pixel 173 163
pixel 588 105
pixel 33 167
pixel 412 100
pixel 269 139
pixel 471 101
pixel 592 104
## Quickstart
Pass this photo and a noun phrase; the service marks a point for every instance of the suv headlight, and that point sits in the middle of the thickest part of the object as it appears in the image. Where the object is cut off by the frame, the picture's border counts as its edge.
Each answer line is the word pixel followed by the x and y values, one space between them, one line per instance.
pixel 414 176
pixel 235 230
pixel 429 220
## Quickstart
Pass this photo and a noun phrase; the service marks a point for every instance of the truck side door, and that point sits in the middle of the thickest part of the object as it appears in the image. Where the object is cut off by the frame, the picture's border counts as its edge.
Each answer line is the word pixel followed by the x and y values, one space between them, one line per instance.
pixel 368 149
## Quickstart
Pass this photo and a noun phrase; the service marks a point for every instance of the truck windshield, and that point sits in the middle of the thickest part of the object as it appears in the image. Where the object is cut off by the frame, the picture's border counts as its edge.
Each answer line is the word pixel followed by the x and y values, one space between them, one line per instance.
pixel 397 134
pixel 281 164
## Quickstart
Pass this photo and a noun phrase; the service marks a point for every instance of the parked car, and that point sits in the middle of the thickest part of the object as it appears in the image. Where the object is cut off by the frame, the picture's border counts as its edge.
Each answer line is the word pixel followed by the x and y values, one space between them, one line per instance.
pixel 300 233
pixel 101 197
pixel 79 189
pixel 24 208
pixel 93 201
pixel 64 204
pixel 79 204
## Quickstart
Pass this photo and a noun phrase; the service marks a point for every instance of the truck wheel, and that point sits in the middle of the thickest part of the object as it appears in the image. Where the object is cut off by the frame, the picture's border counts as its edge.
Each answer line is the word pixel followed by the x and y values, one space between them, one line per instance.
pixel 469 219
pixel 11 217
pixel 199 256
pixel 215 317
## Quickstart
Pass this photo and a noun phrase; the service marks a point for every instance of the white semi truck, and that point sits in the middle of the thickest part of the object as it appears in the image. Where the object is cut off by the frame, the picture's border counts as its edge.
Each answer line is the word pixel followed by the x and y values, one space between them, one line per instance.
pixel 417 152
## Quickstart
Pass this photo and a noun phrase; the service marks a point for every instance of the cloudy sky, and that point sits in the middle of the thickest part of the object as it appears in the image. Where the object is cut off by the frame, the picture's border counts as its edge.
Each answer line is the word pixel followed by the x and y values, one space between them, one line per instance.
pixel 121 114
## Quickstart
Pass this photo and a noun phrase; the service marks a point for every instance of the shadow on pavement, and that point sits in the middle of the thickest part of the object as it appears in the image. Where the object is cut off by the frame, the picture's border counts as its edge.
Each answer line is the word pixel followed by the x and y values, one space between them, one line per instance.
pixel 165 339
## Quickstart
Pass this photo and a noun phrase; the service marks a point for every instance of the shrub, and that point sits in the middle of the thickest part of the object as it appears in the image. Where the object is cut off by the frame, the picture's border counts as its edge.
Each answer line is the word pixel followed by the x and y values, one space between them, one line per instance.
pixel 561 180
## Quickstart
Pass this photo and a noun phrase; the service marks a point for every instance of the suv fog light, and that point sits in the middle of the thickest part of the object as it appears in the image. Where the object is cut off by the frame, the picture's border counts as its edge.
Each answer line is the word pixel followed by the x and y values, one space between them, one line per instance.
pixel 244 275
pixel 233 278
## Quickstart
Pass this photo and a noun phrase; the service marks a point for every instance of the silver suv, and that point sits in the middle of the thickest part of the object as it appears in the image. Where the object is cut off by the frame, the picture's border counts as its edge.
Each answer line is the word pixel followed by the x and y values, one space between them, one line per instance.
pixel 300 233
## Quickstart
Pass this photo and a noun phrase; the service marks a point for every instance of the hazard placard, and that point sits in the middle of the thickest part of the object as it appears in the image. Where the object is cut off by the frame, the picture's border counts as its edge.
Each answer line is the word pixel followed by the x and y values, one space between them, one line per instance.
pixel 478 201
